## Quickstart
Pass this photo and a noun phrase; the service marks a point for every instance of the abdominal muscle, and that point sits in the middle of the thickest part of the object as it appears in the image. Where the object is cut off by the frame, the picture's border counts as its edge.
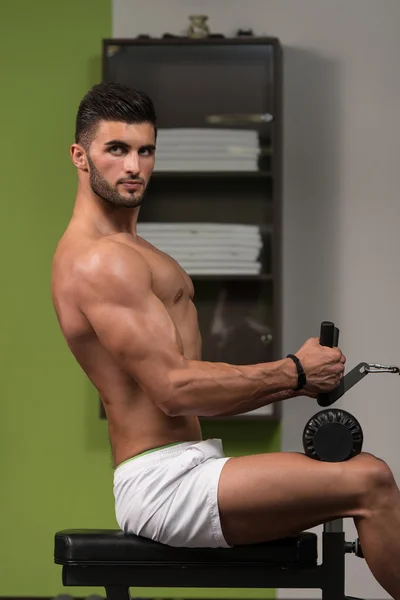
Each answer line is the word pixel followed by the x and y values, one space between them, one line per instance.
pixel 135 424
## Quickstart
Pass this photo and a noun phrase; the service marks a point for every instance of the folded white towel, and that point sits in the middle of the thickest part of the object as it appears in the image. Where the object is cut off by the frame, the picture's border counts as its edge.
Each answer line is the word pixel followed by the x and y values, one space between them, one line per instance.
pixel 189 252
pixel 210 143
pixel 214 261
pixel 243 246
pixel 203 236
pixel 209 154
pixel 242 164
pixel 197 238
pixel 224 271
pixel 216 147
pixel 193 226
pixel 206 132
pixel 249 247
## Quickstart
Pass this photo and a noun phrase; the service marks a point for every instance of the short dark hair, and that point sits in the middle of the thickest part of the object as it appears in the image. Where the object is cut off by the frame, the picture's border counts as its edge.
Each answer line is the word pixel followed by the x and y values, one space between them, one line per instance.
pixel 110 101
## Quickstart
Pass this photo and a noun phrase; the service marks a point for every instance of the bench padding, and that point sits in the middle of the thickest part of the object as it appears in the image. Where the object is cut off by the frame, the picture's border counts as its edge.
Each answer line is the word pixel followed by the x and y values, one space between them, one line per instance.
pixel 91 547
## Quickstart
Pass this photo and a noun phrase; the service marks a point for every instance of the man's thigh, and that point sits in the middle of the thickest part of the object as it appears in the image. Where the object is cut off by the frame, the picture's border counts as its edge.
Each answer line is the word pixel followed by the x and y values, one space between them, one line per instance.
pixel 269 496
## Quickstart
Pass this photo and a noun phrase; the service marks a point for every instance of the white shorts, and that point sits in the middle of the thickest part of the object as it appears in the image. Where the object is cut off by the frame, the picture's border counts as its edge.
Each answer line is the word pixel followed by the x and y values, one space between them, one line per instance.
pixel 170 495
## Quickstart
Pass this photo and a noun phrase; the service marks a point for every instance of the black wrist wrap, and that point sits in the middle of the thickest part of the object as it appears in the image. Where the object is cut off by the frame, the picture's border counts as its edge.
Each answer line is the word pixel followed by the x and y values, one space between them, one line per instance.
pixel 301 376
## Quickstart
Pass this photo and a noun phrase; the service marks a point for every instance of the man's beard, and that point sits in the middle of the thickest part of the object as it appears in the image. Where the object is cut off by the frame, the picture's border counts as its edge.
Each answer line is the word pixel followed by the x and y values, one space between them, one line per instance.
pixel 110 194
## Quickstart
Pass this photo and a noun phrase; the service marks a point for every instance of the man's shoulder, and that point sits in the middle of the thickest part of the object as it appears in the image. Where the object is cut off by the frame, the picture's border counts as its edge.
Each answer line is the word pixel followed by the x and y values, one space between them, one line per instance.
pixel 108 267
pixel 108 255
pixel 99 267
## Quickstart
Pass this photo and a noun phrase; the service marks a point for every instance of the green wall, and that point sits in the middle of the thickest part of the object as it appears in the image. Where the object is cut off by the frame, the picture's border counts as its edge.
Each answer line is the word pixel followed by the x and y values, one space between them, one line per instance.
pixel 55 463
pixel 55 458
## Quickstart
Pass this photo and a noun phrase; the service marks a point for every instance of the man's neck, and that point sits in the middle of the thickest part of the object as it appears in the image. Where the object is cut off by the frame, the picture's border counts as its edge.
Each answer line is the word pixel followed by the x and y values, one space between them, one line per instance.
pixel 103 216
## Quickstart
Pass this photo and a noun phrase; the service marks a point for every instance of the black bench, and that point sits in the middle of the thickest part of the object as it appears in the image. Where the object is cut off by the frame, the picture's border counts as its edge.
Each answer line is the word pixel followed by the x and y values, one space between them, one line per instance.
pixel 116 561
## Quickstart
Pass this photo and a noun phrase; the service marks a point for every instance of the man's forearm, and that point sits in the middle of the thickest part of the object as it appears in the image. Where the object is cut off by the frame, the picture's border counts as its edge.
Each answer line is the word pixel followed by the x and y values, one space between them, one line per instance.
pixel 210 389
pixel 270 399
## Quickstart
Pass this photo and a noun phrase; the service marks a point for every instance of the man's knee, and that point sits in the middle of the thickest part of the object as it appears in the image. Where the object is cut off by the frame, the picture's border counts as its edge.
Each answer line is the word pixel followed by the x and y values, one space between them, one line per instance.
pixel 376 480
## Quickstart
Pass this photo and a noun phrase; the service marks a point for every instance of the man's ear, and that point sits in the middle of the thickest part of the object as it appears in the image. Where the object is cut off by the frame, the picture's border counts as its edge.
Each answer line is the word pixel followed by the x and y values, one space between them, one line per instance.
pixel 79 158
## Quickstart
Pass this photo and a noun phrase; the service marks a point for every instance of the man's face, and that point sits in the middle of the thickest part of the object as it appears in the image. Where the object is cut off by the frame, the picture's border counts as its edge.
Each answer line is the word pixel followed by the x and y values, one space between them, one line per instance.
pixel 121 161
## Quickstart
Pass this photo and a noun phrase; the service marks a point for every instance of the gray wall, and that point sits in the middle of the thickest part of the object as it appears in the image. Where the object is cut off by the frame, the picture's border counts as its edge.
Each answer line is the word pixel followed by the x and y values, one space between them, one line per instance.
pixel 341 200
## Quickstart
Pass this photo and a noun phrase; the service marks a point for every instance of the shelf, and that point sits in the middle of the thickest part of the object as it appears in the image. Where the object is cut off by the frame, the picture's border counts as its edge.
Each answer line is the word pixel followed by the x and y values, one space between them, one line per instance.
pixel 232 277
pixel 274 417
pixel 168 39
pixel 245 306
pixel 213 174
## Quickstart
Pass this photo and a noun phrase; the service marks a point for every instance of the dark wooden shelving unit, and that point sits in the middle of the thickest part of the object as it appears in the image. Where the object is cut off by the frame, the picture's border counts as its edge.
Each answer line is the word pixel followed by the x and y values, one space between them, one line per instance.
pixel 189 80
